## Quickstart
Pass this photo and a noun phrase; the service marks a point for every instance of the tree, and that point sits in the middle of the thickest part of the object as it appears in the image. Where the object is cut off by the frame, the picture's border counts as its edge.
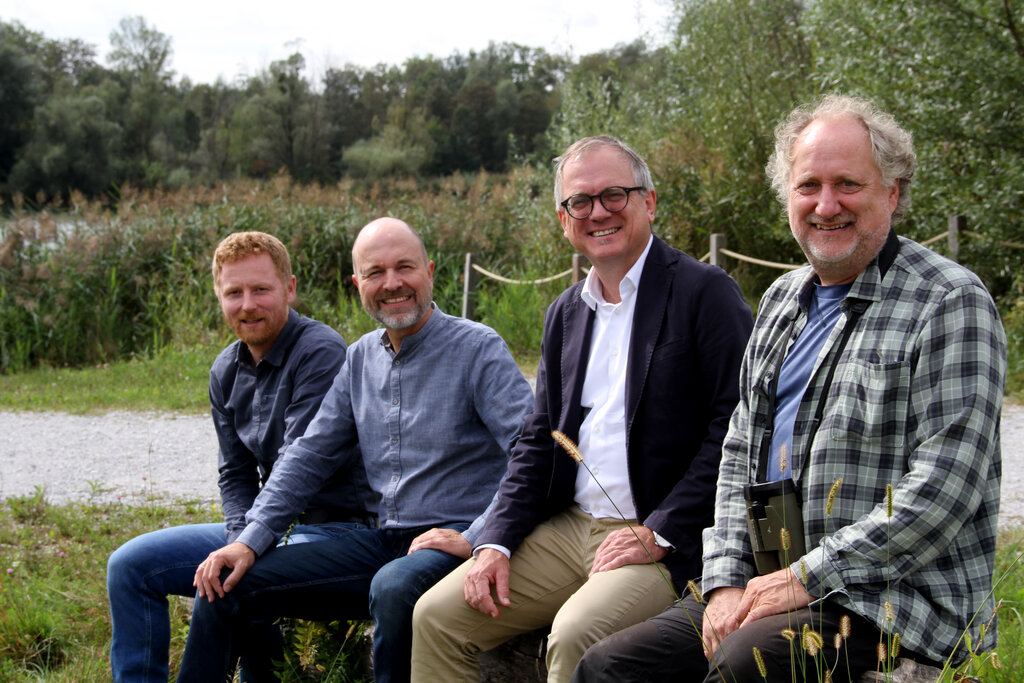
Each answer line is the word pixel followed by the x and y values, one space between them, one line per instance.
pixel 19 93
pixel 141 50
pixel 74 145
pixel 952 71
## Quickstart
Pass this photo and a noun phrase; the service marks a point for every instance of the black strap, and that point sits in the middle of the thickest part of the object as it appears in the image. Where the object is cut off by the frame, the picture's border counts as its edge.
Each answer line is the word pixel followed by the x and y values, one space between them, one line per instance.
pixel 855 311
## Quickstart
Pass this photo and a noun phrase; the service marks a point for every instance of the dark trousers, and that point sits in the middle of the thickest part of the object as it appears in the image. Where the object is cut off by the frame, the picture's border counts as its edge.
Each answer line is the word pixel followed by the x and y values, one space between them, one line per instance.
pixel 668 647
pixel 361 572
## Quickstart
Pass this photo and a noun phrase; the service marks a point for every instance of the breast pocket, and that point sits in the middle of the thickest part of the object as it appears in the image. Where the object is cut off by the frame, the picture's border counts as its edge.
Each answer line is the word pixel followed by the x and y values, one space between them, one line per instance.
pixel 871 404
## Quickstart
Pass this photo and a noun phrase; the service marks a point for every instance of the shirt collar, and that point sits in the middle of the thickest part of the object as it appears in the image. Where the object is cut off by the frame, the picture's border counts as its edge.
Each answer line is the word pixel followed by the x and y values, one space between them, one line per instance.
pixel 592 294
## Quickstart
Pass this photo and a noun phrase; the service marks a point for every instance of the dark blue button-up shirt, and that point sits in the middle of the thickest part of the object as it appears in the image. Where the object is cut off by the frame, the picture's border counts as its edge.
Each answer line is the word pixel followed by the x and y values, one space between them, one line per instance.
pixel 258 411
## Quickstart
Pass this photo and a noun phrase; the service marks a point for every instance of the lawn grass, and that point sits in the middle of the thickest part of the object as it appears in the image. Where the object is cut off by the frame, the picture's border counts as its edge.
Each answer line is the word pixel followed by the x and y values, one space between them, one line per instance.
pixel 173 380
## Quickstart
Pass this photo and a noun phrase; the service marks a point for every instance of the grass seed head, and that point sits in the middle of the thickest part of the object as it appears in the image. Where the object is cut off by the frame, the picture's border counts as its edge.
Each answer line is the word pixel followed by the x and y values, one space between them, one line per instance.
pixel 566 443
pixel 759 660
pixel 832 492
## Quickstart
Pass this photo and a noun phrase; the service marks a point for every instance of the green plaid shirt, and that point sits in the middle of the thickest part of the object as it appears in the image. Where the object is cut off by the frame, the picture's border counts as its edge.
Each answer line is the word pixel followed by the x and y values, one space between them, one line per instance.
pixel 915 403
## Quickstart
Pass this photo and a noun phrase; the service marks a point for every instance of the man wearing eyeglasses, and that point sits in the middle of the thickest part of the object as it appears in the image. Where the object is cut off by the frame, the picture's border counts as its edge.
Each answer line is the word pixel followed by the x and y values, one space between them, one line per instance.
pixel 639 367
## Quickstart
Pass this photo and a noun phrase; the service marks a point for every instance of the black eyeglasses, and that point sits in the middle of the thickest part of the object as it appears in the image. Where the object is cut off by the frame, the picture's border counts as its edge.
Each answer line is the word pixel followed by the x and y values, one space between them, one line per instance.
pixel 613 199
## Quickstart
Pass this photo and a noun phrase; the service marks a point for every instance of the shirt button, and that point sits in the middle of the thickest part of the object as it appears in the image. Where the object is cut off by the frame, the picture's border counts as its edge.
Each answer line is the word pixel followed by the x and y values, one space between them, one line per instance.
pixel 394 477
pixel 394 439
pixel 398 362
pixel 394 401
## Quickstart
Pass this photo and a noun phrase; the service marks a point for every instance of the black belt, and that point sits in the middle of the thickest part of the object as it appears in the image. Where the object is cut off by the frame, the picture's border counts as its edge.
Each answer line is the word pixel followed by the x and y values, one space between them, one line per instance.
pixel 328 515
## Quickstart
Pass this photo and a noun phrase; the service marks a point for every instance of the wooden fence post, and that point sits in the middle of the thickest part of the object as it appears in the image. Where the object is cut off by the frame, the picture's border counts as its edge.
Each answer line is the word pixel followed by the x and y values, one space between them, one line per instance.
pixel 470 280
pixel 718 242
pixel 577 268
pixel 957 224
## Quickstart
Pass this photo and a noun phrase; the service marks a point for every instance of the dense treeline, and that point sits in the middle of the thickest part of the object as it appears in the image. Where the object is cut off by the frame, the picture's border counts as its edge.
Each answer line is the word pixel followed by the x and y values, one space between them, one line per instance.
pixel 68 123
pixel 461 145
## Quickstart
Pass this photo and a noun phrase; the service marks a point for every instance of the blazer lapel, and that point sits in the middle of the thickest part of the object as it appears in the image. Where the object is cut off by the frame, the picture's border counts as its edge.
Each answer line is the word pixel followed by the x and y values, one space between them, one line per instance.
pixel 648 316
pixel 578 324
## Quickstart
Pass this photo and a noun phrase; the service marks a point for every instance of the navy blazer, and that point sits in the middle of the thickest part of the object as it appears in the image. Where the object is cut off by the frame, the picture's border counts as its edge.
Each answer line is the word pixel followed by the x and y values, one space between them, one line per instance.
pixel 690 327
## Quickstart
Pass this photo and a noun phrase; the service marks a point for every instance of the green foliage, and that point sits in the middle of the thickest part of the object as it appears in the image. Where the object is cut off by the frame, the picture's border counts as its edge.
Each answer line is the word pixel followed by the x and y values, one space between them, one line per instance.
pixel 54 623
pixel 516 311
pixel 1013 323
pixel 172 379
pixel 326 651
pixel 83 286
pixel 68 124
pixel 952 72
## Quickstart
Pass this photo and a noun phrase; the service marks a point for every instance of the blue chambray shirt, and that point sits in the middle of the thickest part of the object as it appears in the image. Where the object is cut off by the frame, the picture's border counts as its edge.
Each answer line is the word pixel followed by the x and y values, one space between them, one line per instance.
pixel 435 422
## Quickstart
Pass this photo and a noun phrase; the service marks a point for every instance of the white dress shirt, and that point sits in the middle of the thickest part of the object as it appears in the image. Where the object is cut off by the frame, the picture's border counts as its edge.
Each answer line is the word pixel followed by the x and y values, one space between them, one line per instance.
pixel 602 439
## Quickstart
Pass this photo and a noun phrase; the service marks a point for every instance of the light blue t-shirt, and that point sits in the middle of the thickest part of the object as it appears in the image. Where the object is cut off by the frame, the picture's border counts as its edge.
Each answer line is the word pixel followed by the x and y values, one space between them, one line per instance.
pixel 823 315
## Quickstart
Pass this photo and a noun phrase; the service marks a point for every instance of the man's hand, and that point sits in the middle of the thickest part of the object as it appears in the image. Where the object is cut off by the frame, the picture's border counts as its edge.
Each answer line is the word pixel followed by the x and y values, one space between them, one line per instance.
pixel 729 609
pixel 621 547
pixel 445 540
pixel 775 593
pixel 491 568
pixel 719 617
pixel 237 556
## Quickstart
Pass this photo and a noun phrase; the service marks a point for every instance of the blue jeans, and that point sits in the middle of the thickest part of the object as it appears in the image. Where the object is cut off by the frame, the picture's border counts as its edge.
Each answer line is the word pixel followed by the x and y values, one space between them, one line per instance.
pixel 360 572
pixel 140 576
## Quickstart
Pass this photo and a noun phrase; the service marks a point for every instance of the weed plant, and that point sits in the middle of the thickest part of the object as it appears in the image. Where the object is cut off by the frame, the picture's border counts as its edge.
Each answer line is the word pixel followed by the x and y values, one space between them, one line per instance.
pixel 54 620
pixel 81 284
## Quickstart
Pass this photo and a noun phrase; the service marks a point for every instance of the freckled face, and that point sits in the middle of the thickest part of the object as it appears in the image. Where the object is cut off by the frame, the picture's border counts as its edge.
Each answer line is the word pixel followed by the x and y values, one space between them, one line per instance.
pixel 255 301
pixel 613 240
pixel 839 208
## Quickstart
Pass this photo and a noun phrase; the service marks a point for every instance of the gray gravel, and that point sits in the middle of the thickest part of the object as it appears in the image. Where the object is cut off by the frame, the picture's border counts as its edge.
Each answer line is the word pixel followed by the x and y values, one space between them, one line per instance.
pixel 135 457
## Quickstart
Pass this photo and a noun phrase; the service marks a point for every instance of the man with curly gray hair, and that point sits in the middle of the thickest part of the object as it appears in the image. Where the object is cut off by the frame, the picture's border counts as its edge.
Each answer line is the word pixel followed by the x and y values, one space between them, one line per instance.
pixel 855 517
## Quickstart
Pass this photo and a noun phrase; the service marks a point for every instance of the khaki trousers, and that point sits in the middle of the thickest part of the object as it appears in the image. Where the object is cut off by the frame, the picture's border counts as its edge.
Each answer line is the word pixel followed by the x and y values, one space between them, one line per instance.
pixel 548 585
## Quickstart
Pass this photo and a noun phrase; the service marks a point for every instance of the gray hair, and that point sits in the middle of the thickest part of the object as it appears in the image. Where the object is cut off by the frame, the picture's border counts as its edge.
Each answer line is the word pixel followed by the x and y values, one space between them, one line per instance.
pixel 891 146
pixel 641 172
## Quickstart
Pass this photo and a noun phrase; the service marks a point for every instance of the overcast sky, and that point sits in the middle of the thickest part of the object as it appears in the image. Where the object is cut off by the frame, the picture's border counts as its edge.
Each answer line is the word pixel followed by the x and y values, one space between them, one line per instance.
pixel 212 38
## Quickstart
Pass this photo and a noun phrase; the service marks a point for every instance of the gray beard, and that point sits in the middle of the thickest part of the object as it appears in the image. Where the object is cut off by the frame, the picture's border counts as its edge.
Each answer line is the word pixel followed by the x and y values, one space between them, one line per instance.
pixel 401 322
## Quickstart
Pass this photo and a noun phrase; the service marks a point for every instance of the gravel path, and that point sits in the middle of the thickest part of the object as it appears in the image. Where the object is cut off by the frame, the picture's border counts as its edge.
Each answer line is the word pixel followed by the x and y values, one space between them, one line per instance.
pixel 134 457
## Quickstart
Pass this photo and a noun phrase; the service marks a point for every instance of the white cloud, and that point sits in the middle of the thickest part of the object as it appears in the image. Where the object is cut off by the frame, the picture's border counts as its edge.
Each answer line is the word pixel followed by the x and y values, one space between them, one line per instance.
pixel 214 38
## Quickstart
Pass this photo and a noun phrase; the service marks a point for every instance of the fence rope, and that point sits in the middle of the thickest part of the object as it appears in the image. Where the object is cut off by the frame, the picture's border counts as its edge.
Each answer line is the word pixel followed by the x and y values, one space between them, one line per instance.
pixel 932 240
pixel 1009 245
pixel 741 257
pixel 508 281
pixel 759 262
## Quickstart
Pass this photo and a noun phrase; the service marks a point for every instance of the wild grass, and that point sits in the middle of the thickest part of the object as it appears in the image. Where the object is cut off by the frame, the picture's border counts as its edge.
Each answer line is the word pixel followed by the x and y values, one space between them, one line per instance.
pixel 55 626
pixel 82 284
pixel 54 621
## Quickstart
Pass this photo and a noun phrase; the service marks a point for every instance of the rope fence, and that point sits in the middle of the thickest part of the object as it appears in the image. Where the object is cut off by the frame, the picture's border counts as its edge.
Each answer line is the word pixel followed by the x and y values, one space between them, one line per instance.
pixel 716 257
